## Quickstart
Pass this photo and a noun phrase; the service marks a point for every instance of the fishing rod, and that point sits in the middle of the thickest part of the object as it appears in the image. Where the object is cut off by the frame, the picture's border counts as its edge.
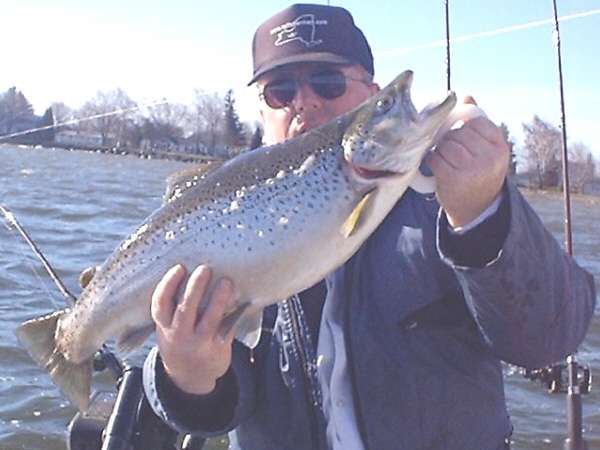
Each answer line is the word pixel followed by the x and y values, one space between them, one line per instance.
pixel 579 377
pixel 124 423
pixel 105 358
pixel 574 440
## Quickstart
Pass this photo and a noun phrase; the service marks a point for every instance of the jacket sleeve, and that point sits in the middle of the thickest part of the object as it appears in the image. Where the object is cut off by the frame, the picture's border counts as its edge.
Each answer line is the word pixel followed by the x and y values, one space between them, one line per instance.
pixel 208 415
pixel 532 302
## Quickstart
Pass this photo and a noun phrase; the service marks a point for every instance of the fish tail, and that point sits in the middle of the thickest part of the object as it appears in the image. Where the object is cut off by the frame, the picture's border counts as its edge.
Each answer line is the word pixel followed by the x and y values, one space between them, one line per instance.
pixel 38 336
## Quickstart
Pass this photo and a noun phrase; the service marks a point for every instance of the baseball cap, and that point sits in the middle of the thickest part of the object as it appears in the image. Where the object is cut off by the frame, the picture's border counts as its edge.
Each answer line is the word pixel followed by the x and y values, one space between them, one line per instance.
pixel 309 33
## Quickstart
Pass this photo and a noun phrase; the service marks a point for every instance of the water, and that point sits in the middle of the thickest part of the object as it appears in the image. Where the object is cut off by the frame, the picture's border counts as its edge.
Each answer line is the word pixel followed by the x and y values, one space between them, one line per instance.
pixel 77 206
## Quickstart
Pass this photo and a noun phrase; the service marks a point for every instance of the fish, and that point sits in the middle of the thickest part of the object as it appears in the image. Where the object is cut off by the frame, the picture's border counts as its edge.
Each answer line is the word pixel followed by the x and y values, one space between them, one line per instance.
pixel 275 220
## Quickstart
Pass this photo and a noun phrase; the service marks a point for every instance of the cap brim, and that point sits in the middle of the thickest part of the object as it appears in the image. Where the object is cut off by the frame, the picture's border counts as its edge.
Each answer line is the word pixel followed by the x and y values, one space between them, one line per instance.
pixel 319 57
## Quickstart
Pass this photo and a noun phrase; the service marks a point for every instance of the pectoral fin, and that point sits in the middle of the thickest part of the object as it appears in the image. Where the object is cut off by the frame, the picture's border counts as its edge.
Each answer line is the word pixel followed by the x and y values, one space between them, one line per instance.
pixel 354 217
pixel 248 326
pixel 134 338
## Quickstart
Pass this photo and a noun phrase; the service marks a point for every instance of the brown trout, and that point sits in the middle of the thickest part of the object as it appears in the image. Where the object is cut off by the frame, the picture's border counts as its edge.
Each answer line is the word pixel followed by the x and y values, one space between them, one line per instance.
pixel 275 220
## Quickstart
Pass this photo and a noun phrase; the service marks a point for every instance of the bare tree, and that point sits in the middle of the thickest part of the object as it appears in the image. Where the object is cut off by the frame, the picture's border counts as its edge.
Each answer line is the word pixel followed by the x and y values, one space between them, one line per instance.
pixel 206 120
pixel 62 113
pixel 542 144
pixel 164 125
pixel 581 166
pixel 115 109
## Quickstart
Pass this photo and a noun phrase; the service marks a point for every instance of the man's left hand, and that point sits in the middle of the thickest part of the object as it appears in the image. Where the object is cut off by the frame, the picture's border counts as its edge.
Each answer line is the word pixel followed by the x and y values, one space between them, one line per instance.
pixel 470 165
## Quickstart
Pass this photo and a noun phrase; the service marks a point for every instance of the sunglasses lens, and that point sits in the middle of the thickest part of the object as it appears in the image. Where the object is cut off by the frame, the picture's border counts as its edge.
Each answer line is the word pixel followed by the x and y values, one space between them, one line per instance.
pixel 280 93
pixel 328 84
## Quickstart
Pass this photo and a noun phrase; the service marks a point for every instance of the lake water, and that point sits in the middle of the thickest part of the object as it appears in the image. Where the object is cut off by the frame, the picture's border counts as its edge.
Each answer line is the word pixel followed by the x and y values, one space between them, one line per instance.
pixel 77 206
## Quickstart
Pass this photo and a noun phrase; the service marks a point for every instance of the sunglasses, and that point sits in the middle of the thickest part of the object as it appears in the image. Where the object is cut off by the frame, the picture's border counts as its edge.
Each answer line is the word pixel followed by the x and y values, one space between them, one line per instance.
pixel 328 84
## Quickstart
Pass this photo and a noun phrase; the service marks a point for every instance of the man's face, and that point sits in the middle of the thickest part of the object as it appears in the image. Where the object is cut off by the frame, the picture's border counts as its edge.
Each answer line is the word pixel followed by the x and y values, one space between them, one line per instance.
pixel 307 109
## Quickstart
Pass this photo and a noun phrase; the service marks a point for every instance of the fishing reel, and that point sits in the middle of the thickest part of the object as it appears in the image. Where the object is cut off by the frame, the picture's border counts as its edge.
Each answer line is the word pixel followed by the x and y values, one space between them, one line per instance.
pixel 124 421
pixel 556 377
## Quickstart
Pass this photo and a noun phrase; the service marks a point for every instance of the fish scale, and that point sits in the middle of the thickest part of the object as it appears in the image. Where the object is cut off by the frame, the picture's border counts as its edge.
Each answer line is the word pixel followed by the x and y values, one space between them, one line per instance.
pixel 275 220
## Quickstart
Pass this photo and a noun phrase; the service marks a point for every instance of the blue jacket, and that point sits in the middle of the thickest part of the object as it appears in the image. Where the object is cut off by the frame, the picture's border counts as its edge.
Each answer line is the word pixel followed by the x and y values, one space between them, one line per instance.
pixel 429 316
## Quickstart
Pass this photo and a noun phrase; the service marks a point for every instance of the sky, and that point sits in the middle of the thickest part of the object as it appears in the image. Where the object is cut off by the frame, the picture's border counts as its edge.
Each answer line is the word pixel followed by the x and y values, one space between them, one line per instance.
pixel 67 50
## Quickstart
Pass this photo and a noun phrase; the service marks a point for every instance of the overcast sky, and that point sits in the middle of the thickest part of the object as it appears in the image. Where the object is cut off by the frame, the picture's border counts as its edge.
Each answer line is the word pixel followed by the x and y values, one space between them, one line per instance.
pixel 166 49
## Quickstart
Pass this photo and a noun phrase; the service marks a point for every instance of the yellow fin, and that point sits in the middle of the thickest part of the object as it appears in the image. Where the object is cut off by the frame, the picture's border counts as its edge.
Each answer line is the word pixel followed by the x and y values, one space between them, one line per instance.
pixel 352 220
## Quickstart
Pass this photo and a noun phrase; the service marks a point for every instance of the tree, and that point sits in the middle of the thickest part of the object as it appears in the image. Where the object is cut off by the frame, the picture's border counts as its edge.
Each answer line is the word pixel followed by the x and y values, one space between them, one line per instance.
pixel 206 121
pixel 257 136
pixel 581 166
pixel 164 126
pixel 512 162
pixel 16 113
pixel 543 145
pixel 234 132
pixel 62 113
pixel 115 111
pixel 45 136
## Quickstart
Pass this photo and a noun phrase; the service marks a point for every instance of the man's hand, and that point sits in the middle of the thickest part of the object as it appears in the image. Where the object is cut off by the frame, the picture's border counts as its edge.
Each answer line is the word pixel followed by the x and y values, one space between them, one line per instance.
pixel 193 352
pixel 470 165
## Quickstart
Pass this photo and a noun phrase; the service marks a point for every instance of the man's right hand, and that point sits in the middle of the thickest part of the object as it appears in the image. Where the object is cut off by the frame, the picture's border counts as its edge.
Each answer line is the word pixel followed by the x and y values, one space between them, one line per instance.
pixel 193 352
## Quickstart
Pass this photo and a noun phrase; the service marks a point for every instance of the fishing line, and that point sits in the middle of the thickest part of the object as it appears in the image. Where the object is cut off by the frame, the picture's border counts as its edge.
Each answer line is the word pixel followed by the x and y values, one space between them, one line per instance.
pixel 470 37
pixel 107 356
pixel 83 119
pixel 12 220
pixel 26 259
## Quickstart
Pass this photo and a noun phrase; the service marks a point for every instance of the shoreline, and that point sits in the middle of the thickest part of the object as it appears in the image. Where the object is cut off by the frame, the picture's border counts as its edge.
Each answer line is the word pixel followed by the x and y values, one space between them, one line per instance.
pixel 171 156
pixel 204 159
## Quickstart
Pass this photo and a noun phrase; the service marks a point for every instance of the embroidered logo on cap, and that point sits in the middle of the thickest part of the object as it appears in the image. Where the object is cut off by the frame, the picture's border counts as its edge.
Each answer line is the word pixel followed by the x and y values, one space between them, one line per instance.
pixel 303 28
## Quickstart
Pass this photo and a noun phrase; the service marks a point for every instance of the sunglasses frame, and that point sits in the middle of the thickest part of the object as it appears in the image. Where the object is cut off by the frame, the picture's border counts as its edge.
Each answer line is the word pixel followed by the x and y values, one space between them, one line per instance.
pixel 275 103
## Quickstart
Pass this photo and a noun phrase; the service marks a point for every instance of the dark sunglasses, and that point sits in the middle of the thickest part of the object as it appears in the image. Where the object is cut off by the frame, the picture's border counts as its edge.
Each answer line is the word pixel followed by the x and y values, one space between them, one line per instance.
pixel 328 84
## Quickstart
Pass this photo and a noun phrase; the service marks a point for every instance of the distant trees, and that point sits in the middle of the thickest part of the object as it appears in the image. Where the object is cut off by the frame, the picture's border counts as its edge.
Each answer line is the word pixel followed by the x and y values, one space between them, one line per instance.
pixel 110 126
pixel 512 162
pixel 542 151
pixel 16 113
pixel 257 136
pixel 206 121
pixel 543 146
pixel 234 136
pixel 210 125
pixel 581 166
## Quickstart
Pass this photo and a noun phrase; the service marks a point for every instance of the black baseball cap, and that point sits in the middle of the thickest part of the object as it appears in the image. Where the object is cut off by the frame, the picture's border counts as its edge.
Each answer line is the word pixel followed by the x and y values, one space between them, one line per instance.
pixel 309 33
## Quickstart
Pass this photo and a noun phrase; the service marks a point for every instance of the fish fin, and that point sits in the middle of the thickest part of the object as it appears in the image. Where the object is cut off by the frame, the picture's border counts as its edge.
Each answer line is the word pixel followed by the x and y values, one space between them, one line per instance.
pixel 352 221
pixel 180 181
pixel 134 337
pixel 248 326
pixel 423 184
pixel 73 379
pixel 86 275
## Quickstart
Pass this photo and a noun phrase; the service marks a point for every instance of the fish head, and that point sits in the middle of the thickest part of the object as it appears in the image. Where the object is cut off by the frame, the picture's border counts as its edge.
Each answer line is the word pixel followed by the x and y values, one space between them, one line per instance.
pixel 387 136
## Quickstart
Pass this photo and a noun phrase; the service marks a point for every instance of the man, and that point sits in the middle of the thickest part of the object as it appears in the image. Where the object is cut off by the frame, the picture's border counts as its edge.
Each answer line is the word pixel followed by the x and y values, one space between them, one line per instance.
pixel 402 349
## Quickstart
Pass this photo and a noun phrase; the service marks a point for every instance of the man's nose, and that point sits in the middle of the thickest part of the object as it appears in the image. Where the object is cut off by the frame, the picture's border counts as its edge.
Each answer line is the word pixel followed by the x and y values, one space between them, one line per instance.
pixel 305 98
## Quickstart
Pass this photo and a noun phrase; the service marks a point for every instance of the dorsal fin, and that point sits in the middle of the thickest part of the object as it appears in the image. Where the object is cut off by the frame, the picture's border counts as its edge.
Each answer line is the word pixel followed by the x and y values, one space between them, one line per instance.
pixel 180 181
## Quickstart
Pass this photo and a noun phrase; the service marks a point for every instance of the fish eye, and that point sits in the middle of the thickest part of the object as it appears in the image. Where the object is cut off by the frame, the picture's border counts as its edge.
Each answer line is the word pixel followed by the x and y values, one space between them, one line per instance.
pixel 384 104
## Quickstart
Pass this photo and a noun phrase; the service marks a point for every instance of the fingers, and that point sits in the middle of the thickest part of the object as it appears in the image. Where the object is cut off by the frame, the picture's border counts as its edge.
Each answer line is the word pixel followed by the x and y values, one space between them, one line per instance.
pixel 186 312
pixel 220 300
pixel 163 298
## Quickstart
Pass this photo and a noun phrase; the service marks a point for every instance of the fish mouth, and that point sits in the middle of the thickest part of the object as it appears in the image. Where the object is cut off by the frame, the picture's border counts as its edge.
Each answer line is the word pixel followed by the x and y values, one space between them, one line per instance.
pixel 371 174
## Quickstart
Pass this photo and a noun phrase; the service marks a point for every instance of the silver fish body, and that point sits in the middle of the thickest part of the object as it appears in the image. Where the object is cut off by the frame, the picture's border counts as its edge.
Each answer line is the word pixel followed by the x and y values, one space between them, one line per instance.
pixel 275 220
